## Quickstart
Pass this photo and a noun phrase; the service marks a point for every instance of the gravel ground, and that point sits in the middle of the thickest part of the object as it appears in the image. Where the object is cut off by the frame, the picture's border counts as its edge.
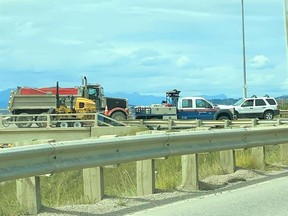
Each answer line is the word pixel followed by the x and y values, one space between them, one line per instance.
pixel 128 205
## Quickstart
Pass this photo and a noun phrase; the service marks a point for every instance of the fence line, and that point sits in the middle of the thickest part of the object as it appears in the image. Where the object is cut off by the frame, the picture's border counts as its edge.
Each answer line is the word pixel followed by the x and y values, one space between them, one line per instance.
pixel 99 119
pixel 60 156
pixel 91 155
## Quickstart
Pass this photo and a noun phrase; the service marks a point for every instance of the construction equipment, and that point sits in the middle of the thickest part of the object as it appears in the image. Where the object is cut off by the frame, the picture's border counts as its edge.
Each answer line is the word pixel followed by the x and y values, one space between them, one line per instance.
pixel 30 104
pixel 75 115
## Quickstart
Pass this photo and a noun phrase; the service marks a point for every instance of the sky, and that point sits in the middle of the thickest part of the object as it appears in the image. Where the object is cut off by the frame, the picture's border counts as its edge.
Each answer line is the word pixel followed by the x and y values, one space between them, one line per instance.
pixel 147 47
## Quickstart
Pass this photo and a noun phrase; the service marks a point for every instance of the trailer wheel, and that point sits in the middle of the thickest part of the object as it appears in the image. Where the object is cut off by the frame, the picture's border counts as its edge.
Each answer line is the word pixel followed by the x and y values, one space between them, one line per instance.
pixel 6 122
pixel 119 116
pixel 77 124
pixel 63 124
pixel 42 118
pixel 26 119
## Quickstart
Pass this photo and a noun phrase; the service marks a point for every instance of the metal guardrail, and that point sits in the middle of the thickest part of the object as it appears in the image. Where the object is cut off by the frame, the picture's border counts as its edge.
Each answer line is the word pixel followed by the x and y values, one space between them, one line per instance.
pixel 7 120
pixel 172 124
pixel 101 120
pixel 283 113
pixel 33 160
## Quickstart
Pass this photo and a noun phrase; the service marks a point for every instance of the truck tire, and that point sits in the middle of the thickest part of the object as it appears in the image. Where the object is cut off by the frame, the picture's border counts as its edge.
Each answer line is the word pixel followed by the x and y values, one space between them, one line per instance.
pixel 77 124
pixel 27 120
pixel 42 117
pixel 63 125
pixel 6 121
pixel 119 116
pixel 223 117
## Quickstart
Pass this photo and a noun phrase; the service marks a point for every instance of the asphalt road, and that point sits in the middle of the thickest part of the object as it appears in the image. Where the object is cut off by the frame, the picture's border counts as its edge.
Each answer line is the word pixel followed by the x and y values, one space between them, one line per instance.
pixel 268 198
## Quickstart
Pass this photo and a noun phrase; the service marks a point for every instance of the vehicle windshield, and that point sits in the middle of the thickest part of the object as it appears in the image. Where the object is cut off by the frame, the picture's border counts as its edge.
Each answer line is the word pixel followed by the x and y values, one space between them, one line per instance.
pixel 239 102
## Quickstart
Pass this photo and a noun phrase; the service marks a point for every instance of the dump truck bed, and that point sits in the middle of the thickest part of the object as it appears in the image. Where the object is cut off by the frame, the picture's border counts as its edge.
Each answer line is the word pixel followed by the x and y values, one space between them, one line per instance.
pixel 33 102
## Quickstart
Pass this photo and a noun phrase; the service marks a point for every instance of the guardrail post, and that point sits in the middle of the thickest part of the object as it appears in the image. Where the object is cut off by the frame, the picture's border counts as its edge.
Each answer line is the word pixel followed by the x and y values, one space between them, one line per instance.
pixel 227 123
pixel 227 158
pixel 170 123
pixel 198 123
pixel 48 121
pixel 258 152
pixel 279 122
pixel 96 120
pixel 93 181
pixel 259 157
pixel 284 152
pixel 254 122
pixel 28 194
pixel 28 189
pixel 190 172
pixel 1 121
pixel 227 161
pixel 145 177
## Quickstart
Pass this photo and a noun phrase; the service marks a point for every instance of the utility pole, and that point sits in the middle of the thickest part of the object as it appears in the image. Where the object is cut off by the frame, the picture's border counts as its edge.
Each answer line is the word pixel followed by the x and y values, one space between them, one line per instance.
pixel 244 55
pixel 286 23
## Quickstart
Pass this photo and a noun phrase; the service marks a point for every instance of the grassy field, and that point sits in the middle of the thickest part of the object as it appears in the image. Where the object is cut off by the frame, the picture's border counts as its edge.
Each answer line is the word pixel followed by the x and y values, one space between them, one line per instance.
pixel 67 187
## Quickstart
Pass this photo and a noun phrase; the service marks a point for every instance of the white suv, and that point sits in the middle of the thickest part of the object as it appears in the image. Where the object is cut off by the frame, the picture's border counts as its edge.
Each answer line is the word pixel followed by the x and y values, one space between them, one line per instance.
pixel 257 107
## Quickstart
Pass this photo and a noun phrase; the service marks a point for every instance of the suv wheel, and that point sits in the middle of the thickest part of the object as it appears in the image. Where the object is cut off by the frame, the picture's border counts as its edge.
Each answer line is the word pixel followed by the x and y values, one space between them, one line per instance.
pixel 268 115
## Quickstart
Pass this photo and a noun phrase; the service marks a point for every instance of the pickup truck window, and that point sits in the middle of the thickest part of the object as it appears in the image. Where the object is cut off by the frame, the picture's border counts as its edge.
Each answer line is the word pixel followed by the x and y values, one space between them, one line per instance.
pixel 202 104
pixel 187 103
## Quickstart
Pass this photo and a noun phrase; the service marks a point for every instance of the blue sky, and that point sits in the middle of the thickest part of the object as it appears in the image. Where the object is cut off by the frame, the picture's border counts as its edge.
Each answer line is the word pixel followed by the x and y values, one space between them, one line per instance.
pixel 144 46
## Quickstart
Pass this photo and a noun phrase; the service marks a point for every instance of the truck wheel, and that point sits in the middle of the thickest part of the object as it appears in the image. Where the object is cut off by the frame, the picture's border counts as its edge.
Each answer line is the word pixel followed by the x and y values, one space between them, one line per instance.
pixel 63 125
pixel 6 122
pixel 42 117
pixel 269 115
pixel 77 124
pixel 26 119
pixel 119 116
pixel 223 118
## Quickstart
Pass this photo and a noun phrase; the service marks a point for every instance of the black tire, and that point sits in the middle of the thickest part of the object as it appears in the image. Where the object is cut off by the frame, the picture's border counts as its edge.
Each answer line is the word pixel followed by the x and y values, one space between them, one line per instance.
pixel 223 118
pixel 119 116
pixel 63 125
pixel 42 117
pixel 6 122
pixel 268 115
pixel 27 120
pixel 77 124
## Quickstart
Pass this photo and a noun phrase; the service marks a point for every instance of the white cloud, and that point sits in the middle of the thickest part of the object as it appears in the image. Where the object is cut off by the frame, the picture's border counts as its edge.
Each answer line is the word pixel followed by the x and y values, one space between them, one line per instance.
pixel 260 62
pixel 183 62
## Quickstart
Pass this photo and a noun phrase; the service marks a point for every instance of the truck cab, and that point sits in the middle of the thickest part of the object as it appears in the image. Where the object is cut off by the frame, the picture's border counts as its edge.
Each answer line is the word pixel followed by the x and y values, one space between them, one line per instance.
pixel 116 108
pixel 200 108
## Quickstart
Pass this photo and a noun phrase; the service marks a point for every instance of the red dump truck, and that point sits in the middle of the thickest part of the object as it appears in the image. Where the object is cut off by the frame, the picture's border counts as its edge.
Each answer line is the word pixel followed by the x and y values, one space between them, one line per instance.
pixel 27 100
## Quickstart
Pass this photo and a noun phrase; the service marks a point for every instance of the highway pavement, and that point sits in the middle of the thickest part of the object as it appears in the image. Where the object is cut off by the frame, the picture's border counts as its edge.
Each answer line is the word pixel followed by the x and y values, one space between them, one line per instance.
pixel 266 198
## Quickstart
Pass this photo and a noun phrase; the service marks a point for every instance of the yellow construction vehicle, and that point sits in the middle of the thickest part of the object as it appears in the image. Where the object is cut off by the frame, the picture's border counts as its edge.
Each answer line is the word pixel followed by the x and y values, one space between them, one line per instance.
pixel 71 112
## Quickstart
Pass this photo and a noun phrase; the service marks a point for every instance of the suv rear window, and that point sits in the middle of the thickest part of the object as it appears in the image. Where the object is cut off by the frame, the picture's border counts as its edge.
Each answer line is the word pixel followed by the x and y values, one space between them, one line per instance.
pixel 271 101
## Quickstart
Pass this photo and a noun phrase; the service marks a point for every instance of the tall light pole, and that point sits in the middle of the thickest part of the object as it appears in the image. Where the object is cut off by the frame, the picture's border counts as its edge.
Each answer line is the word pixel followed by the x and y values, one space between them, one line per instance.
pixel 244 57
